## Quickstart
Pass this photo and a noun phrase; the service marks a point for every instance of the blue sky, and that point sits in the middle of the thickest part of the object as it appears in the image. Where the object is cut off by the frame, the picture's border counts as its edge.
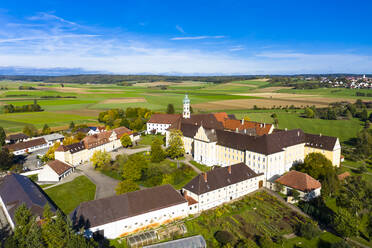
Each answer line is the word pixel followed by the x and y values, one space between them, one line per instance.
pixel 188 37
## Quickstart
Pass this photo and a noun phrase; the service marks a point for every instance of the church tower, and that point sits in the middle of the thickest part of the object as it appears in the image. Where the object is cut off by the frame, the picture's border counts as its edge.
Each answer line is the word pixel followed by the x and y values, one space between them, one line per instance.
pixel 186 107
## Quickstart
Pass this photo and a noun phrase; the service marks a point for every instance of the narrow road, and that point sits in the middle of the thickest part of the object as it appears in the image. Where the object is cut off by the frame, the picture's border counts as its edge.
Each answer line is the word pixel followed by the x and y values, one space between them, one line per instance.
pixel 105 186
pixel 128 151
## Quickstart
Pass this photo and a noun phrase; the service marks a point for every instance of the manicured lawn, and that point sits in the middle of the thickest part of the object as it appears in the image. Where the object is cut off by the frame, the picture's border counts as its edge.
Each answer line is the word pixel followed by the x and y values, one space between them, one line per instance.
pixel 147 139
pixel 201 167
pixel 69 195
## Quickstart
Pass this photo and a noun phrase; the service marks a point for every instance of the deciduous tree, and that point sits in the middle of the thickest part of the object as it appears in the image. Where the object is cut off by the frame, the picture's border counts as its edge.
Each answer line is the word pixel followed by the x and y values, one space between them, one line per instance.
pixel 126 186
pixel 30 130
pixel 2 136
pixel 345 224
pixel 100 159
pixel 132 169
pixel 170 109
pixel 157 152
pixel 49 155
pixel 175 145
pixel 46 130
pixel 125 140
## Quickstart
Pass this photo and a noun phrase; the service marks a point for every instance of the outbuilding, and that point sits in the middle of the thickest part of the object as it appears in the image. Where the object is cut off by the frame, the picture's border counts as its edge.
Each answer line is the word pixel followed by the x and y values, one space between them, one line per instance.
pixel 54 171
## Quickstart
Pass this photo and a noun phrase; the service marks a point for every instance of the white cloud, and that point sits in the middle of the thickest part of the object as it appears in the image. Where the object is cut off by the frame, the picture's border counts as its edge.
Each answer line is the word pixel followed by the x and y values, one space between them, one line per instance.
pixel 198 37
pixel 57 45
pixel 179 28
pixel 48 16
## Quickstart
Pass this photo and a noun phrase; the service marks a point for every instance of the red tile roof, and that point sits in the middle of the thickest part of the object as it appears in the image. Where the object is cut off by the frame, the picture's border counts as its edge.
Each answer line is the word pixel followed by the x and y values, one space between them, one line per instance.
pixel 164 118
pixel 221 116
pixel 59 167
pixel 122 130
pixel 95 140
pixel 261 128
pixel 299 180
pixel 344 175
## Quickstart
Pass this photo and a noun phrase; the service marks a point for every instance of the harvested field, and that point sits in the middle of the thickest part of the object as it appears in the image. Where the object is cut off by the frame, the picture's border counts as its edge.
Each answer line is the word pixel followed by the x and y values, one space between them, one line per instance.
pixel 275 95
pixel 265 103
pixel 124 100
pixel 271 89
pixel 77 90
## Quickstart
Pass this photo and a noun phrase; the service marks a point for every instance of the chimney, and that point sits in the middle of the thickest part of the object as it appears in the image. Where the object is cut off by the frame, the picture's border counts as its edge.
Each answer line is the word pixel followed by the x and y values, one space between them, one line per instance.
pixel 285 129
pixel 229 169
pixel 320 135
pixel 237 130
pixel 205 177
pixel 245 131
pixel 264 124
pixel 242 121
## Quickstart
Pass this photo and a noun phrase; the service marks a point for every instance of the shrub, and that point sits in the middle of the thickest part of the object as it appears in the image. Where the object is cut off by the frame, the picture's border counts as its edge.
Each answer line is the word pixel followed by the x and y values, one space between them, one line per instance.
pixel 265 242
pixel 224 237
pixel 307 230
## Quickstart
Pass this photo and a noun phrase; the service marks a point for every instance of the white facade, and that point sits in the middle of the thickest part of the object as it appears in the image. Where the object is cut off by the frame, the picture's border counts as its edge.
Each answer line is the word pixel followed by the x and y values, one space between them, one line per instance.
pixel 159 128
pixel 186 107
pixel 47 174
pixel 140 222
pixel 31 149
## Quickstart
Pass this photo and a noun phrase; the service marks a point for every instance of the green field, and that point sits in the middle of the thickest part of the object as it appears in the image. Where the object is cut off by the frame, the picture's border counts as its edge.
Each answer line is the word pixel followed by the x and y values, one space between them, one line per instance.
pixel 93 98
pixel 69 195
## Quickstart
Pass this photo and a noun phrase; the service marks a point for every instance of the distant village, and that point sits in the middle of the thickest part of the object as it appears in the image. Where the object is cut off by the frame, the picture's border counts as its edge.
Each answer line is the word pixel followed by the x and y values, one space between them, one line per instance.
pixel 354 82
pixel 245 156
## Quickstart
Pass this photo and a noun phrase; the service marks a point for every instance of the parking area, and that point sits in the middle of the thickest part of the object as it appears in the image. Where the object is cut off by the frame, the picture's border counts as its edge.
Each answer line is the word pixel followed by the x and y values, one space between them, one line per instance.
pixel 31 160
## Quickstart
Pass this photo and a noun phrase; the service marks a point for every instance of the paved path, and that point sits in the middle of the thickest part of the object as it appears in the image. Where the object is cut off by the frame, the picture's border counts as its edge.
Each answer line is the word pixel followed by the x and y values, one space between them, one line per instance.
pixel 128 151
pixel 105 186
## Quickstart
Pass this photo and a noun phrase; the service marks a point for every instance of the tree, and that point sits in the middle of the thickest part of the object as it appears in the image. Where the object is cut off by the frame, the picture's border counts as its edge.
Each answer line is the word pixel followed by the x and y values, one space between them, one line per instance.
pixel 307 230
pixel 30 130
pixel 224 237
pixel 295 194
pixel 132 169
pixel 125 140
pixel 72 125
pixel 309 113
pixel 49 155
pixel 364 115
pixel 170 109
pixel 278 187
pixel 175 145
pixel 246 118
pixel 100 159
pixel 364 143
pixel 265 242
pixel 369 226
pixel 27 233
pixel 6 159
pixel 46 130
pixel 345 224
pixel 191 110
pixel 167 179
pixel 126 186
pixel 157 152
pixel 2 136
pixel 354 195
pixel 69 141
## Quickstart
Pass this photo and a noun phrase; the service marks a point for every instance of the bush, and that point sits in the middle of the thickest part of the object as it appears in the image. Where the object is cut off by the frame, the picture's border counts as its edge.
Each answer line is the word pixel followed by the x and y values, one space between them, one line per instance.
pixel 307 230
pixel 265 242
pixel 224 237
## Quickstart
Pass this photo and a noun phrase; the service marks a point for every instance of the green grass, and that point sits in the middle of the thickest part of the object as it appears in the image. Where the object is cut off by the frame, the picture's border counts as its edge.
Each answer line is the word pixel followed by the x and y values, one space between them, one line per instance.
pixel 329 92
pixel 147 139
pixel 69 195
pixel 343 129
pixel 201 167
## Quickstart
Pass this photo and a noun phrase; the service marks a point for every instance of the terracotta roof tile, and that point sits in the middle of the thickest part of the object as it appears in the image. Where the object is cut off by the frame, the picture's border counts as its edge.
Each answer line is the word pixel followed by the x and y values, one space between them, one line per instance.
pixel 120 131
pixel 299 180
pixel 59 167
pixel 164 118
pixel 261 128
pixel 344 175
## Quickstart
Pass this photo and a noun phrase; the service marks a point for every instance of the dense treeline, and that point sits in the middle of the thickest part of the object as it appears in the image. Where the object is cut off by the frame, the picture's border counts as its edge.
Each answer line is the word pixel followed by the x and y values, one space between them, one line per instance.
pixel 115 79
pixel 22 87
pixel 24 108
pixel 132 118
